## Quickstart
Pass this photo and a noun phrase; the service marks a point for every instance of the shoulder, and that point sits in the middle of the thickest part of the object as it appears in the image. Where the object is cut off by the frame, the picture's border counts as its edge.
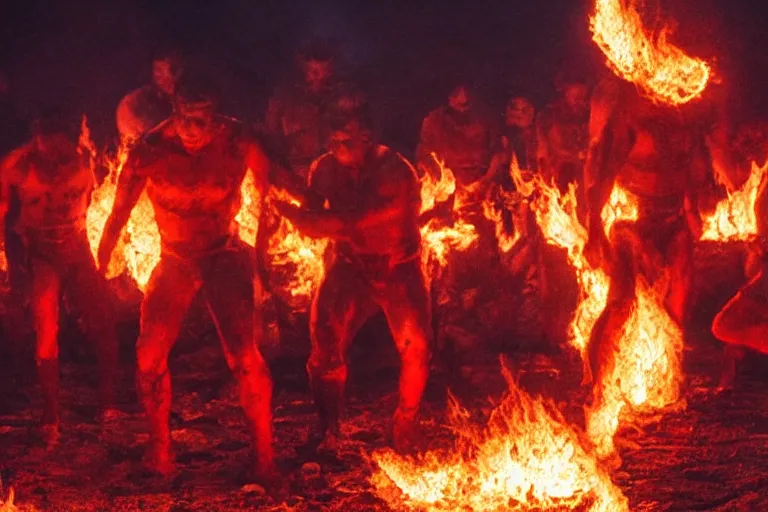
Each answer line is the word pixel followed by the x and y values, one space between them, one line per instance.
pixel 434 118
pixel 16 159
pixel 321 166
pixel 395 164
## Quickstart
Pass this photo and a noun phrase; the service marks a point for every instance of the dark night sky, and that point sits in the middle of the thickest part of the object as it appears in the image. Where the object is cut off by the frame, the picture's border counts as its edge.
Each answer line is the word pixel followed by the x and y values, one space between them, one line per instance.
pixel 86 53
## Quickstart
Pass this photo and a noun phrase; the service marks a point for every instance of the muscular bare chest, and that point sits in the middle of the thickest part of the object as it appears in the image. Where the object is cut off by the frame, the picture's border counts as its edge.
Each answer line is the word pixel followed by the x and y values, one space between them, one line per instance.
pixel 53 192
pixel 196 184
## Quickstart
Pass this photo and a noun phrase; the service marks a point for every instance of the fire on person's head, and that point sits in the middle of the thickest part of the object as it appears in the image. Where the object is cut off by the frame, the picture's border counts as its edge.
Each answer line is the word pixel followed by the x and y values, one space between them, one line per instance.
pixel 519 113
pixel 196 100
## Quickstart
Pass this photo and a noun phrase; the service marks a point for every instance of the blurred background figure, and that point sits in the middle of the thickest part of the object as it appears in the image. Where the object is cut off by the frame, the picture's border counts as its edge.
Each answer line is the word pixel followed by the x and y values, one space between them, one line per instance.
pixel 295 111
pixel 462 136
pixel 146 107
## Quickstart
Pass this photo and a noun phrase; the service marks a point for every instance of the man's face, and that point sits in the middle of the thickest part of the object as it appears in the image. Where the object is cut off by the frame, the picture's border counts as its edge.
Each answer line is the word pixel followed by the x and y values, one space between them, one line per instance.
pixel 577 97
pixel 317 73
pixel 519 113
pixel 350 145
pixel 195 127
pixel 460 100
pixel 164 75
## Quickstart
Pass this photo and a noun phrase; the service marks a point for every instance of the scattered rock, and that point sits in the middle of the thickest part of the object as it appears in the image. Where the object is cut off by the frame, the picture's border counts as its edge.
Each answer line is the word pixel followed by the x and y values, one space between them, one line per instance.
pixel 253 489
pixel 310 470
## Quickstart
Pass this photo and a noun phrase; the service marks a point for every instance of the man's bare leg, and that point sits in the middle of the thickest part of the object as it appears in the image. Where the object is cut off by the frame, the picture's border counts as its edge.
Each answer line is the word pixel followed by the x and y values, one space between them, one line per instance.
pixel 407 309
pixel 46 287
pixel 228 287
pixel 171 289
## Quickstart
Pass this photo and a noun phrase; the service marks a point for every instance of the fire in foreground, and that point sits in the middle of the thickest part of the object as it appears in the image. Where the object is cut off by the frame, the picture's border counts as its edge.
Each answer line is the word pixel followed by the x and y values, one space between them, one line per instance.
pixel 526 457
pixel 664 72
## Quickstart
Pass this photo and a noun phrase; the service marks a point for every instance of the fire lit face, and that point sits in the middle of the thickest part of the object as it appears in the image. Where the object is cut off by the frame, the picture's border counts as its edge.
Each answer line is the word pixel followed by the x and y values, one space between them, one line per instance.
pixel 164 75
pixel 460 100
pixel 350 145
pixel 576 97
pixel 195 127
pixel 317 73
pixel 519 113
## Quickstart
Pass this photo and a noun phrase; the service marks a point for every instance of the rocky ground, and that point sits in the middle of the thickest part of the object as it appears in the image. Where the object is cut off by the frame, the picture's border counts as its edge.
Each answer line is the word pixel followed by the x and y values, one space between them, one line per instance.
pixel 713 455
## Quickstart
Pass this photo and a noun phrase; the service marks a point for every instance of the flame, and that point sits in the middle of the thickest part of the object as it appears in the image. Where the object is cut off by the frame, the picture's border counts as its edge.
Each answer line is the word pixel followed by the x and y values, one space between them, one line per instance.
pixel 645 372
pixel 139 246
pixel 303 257
pixel 247 218
pixel 494 211
pixel 437 239
pixel 526 457
pixel 734 218
pixel 645 368
pixel 664 72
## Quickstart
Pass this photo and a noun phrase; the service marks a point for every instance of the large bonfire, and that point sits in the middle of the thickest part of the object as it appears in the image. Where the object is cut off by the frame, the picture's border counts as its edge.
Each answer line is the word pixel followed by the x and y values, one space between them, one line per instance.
pixel 525 458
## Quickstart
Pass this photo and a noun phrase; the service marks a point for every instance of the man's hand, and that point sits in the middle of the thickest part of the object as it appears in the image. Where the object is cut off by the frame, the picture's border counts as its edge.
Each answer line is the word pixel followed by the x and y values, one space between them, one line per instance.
pixel 311 224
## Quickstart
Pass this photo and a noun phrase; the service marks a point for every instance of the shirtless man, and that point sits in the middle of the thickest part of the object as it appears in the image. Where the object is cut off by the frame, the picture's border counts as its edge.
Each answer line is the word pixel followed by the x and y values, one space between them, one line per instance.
pixel 366 200
pixel 659 154
pixel 192 167
pixel 53 183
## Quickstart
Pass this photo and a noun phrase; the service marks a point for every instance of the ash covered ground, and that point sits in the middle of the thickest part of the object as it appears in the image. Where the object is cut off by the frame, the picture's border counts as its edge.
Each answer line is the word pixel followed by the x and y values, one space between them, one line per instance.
pixel 713 455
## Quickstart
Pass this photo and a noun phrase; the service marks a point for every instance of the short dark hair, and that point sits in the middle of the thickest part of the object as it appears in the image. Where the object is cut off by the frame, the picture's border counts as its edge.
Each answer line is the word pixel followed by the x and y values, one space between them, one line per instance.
pixel 167 52
pixel 349 104
pixel 197 87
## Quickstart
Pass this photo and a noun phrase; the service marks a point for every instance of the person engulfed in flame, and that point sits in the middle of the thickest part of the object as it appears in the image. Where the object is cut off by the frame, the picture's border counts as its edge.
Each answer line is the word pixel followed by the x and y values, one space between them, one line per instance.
pixel 53 180
pixel 146 107
pixel 365 198
pixel 192 167
pixel 659 155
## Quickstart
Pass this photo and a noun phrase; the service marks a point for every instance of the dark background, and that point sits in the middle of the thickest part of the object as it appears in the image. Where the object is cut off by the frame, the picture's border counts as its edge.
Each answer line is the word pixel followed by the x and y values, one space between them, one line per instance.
pixel 85 54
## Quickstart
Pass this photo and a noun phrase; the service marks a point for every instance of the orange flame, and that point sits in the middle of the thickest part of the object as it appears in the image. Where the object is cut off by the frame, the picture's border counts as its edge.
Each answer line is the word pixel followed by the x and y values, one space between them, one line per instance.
pixel 247 218
pixel 139 246
pixel 437 239
pixel 645 369
pixel 494 212
pixel 304 257
pixel 664 72
pixel 734 218
pixel 527 457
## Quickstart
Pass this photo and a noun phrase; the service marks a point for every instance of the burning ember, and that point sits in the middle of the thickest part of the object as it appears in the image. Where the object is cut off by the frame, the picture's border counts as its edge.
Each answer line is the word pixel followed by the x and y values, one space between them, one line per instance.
pixel 661 70
pixel 645 369
pixel 526 457
pixel 437 238
pixel 734 218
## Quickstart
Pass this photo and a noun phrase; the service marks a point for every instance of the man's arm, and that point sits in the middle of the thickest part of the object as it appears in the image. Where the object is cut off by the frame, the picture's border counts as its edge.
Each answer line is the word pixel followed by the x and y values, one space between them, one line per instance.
pixel 608 150
pixel 130 185
pixel 268 173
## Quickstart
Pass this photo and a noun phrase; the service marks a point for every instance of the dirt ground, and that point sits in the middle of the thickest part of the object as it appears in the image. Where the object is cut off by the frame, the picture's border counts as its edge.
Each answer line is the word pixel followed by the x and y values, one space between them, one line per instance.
pixel 711 456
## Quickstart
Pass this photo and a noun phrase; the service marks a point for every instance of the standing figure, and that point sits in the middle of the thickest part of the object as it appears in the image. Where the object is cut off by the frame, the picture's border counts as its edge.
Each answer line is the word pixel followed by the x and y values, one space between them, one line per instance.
pixel 461 135
pixel 365 198
pixel 192 167
pixel 295 112
pixel 53 183
pixel 658 154
pixel 563 134
pixel 143 109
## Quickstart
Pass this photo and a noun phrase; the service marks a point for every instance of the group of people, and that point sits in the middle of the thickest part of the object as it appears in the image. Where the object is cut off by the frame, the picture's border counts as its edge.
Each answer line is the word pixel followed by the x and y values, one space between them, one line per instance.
pixel 318 144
